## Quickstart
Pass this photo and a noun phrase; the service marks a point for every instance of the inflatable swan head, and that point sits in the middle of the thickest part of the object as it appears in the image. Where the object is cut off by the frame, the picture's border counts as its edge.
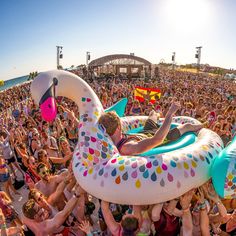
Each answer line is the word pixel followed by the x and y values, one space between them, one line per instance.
pixel 98 166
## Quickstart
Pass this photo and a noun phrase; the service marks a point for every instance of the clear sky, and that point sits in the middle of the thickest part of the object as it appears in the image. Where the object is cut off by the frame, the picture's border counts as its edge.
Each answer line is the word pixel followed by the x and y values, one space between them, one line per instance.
pixel 152 29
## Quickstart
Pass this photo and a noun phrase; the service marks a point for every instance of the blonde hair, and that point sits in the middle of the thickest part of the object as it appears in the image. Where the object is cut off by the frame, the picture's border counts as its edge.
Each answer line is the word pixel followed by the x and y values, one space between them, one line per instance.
pixel 110 121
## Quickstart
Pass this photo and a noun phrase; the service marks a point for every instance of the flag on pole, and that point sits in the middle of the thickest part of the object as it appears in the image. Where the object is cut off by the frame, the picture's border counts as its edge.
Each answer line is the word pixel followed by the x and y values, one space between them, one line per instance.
pixel 141 93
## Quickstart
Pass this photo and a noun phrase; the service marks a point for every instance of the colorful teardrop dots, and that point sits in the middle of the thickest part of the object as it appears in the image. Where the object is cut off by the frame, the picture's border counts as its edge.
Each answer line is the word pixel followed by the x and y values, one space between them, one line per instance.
pixel 158 170
pixel 207 160
pixel 192 172
pixel 179 166
pixel 93 139
pixel 113 173
pixel 173 164
pixel 155 163
pixel 164 166
pixel 134 174
pixel 210 155
pixel 118 180
pixel 95 176
pixel 101 172
pixel 142 168
pixel 138 184
pixel 153 177
pixel 127 163
pixel 194 164
pixel 146 174
pixel 121 168
pixel 113 161
pixel 185 174
pixel 178 184
pixel 105 175
pixel 149 165
pixel 162 183
pixel 90 157
pixel 90 171
pixel 186 166
pixel 189 155
pixel 121 162
pixel 134 165
pixel 125 176
pixel 85 173
pixel 202 157
pixel 170 177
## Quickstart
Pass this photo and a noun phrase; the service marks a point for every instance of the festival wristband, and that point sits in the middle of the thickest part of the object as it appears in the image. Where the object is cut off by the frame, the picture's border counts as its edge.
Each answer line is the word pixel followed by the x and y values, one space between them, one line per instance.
pixel 4 226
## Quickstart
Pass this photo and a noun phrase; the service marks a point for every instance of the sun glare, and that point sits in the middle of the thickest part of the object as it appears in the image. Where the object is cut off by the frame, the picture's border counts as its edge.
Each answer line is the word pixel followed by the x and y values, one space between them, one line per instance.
pixel 184 15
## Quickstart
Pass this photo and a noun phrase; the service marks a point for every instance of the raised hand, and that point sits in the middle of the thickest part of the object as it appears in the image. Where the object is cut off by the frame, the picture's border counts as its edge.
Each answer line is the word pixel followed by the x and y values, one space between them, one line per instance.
pixel 186 199
pixel 85 227
pixel 175 106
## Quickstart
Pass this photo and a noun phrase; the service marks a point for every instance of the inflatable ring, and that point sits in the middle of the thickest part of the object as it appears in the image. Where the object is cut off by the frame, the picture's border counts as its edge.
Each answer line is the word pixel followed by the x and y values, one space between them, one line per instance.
pixel 102 171
pixel 224 172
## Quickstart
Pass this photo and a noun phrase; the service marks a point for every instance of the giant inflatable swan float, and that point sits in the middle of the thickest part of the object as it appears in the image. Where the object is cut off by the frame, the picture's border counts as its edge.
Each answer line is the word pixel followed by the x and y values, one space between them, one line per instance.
pixel 97 164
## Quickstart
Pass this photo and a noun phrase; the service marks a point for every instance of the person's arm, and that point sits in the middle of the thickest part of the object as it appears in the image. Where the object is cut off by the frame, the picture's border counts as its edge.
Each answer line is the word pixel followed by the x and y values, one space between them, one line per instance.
pixel 213 196
pixel 3 224
pixel 137 213
pixel 171 206
pixel 204 219
pixel 133 148
pixel 61 177
pixel 59 160
pixel 109 219
pixel 187 224
pixel 53 198
pixel 53 224
pixel 85 227
pixel 156 212
pixel 204 222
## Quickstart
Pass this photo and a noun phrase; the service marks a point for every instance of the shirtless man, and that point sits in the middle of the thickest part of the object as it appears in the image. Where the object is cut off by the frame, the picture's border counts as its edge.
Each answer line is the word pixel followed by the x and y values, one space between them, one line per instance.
pixel 48 183
pixel 45 222
pixel 154 135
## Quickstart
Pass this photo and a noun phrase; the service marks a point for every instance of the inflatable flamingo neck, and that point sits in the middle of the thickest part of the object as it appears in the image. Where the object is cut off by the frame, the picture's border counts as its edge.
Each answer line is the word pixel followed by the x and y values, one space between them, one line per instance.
pixel 90 147
pixel 76 89
pixel 67 85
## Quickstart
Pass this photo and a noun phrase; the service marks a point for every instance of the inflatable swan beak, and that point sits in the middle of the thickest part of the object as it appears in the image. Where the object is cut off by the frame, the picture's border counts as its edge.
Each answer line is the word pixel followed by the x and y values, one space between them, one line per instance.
pixel 47 103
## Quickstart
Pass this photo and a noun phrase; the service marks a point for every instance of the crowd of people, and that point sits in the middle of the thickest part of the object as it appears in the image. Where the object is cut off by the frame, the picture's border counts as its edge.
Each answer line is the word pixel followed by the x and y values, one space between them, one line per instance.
pixel 41 153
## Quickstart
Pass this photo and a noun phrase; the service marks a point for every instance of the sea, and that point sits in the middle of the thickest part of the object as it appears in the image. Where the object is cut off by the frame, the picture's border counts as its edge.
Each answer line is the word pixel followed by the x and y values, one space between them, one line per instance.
pixel 13 82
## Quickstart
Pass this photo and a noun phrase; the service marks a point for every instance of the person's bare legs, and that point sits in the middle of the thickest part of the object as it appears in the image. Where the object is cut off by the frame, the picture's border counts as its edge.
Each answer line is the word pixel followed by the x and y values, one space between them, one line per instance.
pixel 189 128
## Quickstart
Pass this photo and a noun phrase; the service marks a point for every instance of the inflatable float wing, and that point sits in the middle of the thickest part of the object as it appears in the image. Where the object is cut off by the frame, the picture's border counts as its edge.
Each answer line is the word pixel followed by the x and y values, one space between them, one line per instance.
pixel 119 107
pixel 102 171
pixel 224 172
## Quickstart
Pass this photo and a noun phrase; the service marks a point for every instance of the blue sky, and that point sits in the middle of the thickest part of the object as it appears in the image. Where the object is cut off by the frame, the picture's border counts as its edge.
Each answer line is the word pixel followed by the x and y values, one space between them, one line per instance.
pixel 153 29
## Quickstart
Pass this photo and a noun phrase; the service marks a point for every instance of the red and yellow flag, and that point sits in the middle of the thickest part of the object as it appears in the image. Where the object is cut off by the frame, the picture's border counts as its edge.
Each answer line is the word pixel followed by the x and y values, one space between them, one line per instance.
pixel 141 93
